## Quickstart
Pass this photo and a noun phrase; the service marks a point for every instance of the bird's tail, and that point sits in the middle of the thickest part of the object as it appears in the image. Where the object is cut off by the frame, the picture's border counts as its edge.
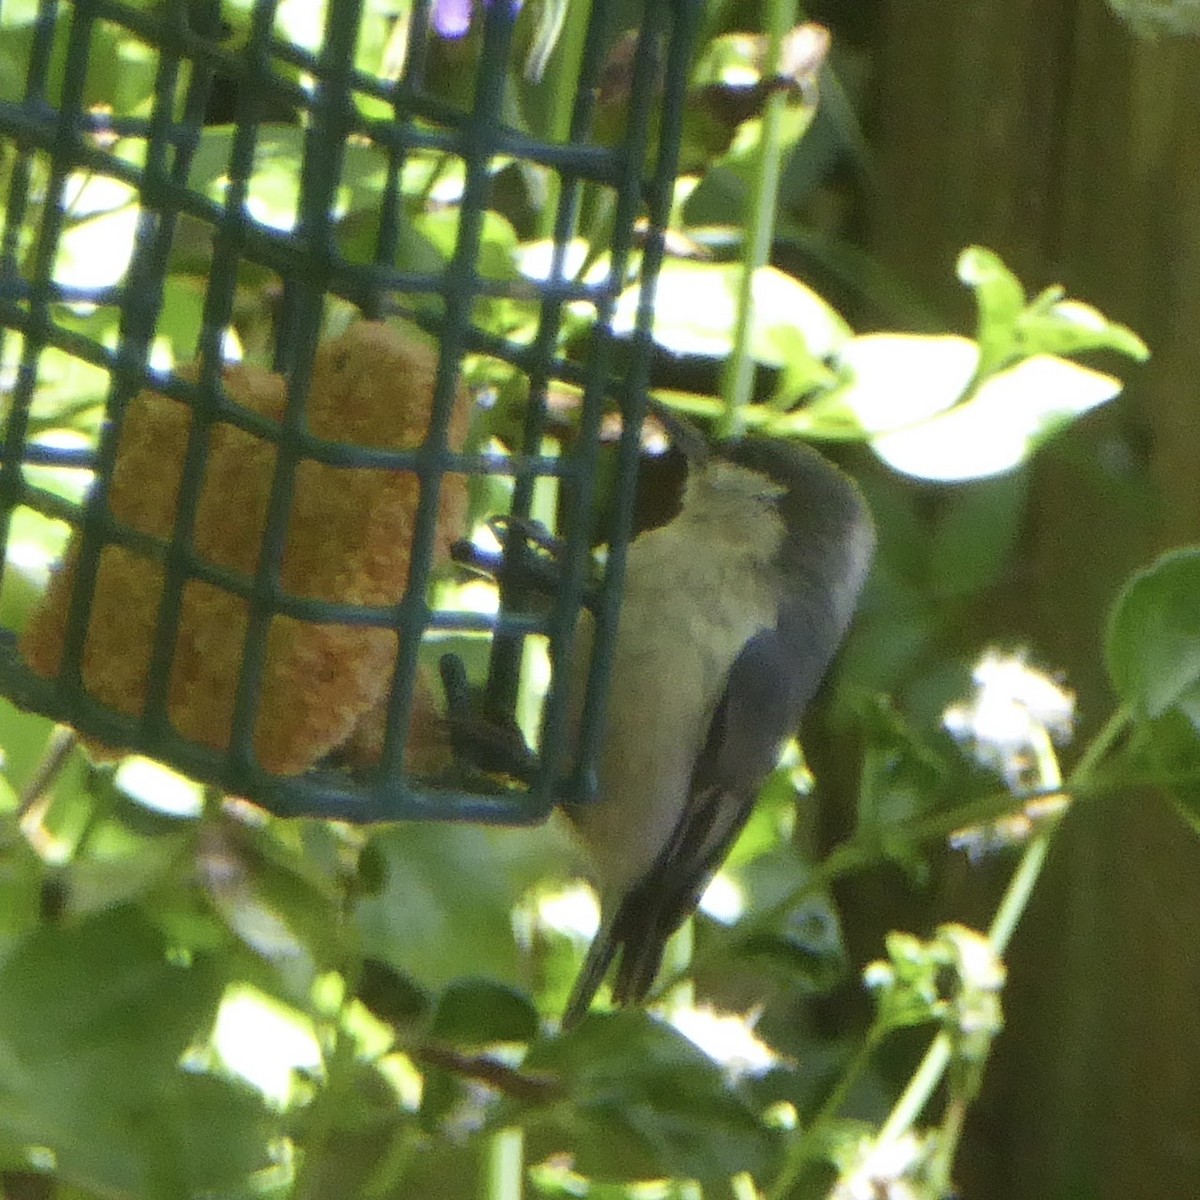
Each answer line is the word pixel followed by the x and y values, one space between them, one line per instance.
pixel 638 932
pixel 591 975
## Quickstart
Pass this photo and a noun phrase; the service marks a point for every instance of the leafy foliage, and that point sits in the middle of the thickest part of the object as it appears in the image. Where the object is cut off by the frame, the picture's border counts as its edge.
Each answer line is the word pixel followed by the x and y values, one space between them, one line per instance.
pixel 198 999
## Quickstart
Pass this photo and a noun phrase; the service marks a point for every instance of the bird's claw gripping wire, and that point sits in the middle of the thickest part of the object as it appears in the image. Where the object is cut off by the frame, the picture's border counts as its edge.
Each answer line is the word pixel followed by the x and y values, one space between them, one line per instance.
pixel 531 560
pixel 492 743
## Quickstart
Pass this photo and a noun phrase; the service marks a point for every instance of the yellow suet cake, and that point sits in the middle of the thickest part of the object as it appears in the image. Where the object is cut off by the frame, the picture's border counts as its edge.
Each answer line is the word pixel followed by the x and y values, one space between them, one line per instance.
pixel 349 540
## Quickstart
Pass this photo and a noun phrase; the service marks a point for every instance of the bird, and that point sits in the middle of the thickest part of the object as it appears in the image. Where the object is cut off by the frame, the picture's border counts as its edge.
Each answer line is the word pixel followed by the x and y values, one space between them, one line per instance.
pixel 730 616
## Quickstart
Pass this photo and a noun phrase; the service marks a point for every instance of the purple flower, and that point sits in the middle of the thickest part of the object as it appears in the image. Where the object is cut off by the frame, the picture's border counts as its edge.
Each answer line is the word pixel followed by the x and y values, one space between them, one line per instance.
pixel 452 18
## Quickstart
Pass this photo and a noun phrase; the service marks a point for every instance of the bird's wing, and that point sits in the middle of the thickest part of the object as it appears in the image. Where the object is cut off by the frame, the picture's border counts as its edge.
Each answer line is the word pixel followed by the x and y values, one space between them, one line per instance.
pixel 750 722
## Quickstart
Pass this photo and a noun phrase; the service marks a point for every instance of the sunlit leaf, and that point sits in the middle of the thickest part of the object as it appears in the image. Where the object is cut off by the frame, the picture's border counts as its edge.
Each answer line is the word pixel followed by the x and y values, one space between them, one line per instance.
pixel 896 380
pixel 1009 416
pixel 263 1042
pixel 696 313
pixel 94 251
pixel 498 241
pixel 1001 300
pixel 742 156
pixel 984 270
pixel 18 13
pixel 1151 19
pixel 69 483
pixel 733 60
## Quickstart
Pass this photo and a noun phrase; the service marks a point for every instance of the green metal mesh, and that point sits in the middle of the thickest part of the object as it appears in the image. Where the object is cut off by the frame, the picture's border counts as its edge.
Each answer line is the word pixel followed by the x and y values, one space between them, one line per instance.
pixel 217 92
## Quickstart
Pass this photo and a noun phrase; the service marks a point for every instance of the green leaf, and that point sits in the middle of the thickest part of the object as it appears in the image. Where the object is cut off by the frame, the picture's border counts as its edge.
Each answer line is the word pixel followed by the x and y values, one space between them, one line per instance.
pixel 208 1133
pixel 733 60
pixel 96 246
pixel 1052 325
pixel 497 258
pixel 391 996
pixel 435 933
pixel 746 149
pixel 21 877
pixel 1152 19
pixel 696 313
pixel 804 946
pixel 281 888
pixel 895 381
pixel 1170 748
pixel 1000 299
pixel 643 1102
pixel 23 747
pixel 1001 425
pixel 1152 646
pixel 355 1138
pixel 99 998
pixel 1012 329
pixel 549 16
pixel 17 13
pixel 121 866
pixel 273 194
pixel 909 771
pixel 802 373
pixel 120 67
pixel 478 1012
pixel 93 1021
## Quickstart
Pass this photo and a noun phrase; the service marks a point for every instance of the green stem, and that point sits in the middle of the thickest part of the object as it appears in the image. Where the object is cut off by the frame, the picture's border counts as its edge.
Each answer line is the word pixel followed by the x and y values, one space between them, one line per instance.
pixel 920 1087
pixel 1012 907
pixel 58 749
pixel 504 1165
pixel 948 1139
pixel 738 381
pixel 386 1181
pixel 804 1148
pixel 323 1116
pixel 1020 887
pixel 1111 732
pixel 850 1076
pixel 742 1187
pixel 558 82
pixel 862 853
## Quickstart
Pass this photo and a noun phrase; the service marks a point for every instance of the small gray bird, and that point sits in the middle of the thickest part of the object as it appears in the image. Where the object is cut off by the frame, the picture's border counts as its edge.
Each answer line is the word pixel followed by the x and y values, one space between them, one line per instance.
pixel 730 617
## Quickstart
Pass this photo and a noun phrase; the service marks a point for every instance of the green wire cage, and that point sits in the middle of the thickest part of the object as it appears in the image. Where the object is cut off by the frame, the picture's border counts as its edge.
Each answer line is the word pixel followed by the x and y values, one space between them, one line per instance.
pixel 203 201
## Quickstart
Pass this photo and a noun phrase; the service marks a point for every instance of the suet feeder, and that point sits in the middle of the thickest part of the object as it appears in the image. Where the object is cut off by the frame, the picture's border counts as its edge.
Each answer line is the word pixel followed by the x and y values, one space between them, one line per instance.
pixel 251 324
